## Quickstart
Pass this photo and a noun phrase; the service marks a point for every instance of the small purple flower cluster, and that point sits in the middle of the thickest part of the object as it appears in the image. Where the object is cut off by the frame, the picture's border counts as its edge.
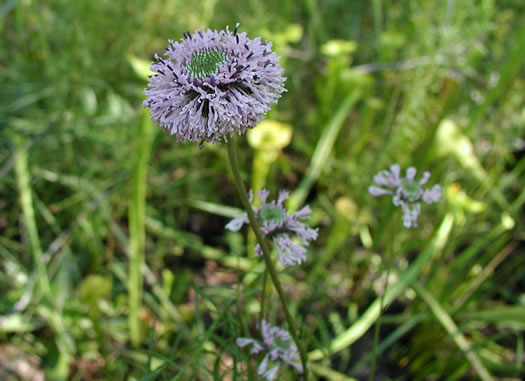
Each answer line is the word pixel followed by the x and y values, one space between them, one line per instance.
pixel 277 225
pixel 406 191
pixel 279 348
pixel 213 84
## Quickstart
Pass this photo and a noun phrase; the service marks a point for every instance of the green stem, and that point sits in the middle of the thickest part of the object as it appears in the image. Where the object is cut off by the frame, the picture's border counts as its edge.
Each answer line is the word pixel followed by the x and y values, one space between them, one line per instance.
pixel 234 163
pixel 450 326
pixel 263 296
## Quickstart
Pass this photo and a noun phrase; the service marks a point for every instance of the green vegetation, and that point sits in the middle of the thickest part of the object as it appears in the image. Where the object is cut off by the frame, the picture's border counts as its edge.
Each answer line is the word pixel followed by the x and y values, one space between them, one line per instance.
pixel 114 260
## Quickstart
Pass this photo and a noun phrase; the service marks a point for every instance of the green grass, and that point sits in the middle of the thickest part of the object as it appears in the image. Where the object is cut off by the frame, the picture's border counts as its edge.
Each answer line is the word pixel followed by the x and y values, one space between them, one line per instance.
pixel 114 260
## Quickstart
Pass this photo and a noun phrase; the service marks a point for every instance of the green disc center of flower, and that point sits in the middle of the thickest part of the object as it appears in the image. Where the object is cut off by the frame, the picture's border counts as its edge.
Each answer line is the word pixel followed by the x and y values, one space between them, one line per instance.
pixel 271 213
pixel 281 344
pixel 412 190
pixel 205 63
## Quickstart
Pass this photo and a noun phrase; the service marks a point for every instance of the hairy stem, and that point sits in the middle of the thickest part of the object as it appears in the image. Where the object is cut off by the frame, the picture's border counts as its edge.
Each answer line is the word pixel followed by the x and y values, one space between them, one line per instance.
pixel 263 296
pixel 234 163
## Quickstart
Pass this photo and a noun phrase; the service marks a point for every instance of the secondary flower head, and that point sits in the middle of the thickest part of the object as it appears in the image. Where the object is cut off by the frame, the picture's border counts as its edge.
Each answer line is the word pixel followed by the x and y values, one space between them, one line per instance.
pixel 277 225
pixel 212 84
pixel 279 348
pixel 406 191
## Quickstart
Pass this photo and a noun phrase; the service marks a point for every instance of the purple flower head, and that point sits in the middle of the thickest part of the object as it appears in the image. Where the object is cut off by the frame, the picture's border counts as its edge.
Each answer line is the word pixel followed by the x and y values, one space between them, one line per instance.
pixel 212 84
pixel 277 225
pixel 279 348
pixel 407 193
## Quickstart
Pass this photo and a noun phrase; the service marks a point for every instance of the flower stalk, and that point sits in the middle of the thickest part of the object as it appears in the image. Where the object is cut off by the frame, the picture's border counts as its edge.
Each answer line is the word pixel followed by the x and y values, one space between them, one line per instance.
pixel 234 163
pixel 263 295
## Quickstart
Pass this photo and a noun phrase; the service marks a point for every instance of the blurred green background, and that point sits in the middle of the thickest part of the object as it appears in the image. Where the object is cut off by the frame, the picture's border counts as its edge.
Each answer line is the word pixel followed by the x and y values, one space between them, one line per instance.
pixel 89 188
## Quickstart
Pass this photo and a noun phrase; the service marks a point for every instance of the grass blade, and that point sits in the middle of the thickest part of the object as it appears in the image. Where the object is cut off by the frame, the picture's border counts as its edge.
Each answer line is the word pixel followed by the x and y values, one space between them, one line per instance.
pixel 28 212
pixel 368 318
pixel 47 309
pixel 446 321
pixel 137 233
pixel 322 151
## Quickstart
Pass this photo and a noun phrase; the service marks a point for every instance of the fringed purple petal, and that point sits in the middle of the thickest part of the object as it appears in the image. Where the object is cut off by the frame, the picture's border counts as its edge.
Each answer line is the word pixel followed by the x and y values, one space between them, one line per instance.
pixel 411 173
pixel 261 369
pixel 243 342
pixel 302 213
pixel 211 106
pixel 411 214
pixel 289 253
pixel 303 231
pixel 424 178
pixel 376 191
pixel 263 195
pixel 270 374
pixel 390 178
pixel 283 196
pixel 432 195
pixel 236 224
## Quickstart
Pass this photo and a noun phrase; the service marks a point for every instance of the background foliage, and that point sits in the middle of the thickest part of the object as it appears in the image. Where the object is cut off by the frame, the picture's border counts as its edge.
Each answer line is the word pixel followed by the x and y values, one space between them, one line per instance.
pixel 434 84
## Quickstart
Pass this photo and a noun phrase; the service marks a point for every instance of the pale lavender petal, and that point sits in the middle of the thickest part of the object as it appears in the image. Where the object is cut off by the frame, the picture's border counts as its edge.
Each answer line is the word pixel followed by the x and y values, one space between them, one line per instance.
pixel 397 199
pixel 271 374
pixel 411 173
pixel 424 178
pixel 376 191
pixel 266 333
pixel 298 367
pixel 279 333
pixel 283 196
pixel 256 347
pixel 243 341
pixel 289 253
pixel 390 178
pixel 263 195
pixel 270 226
pixel 258 250
pixel 407 219
pixel 395 169
pixel 383 178
pixel 263 365
pixel 291 356
pixel 276 354
pixel 432 195
pixel 236 224
pixel 304 232
pixel 410 215
pixel 302 213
